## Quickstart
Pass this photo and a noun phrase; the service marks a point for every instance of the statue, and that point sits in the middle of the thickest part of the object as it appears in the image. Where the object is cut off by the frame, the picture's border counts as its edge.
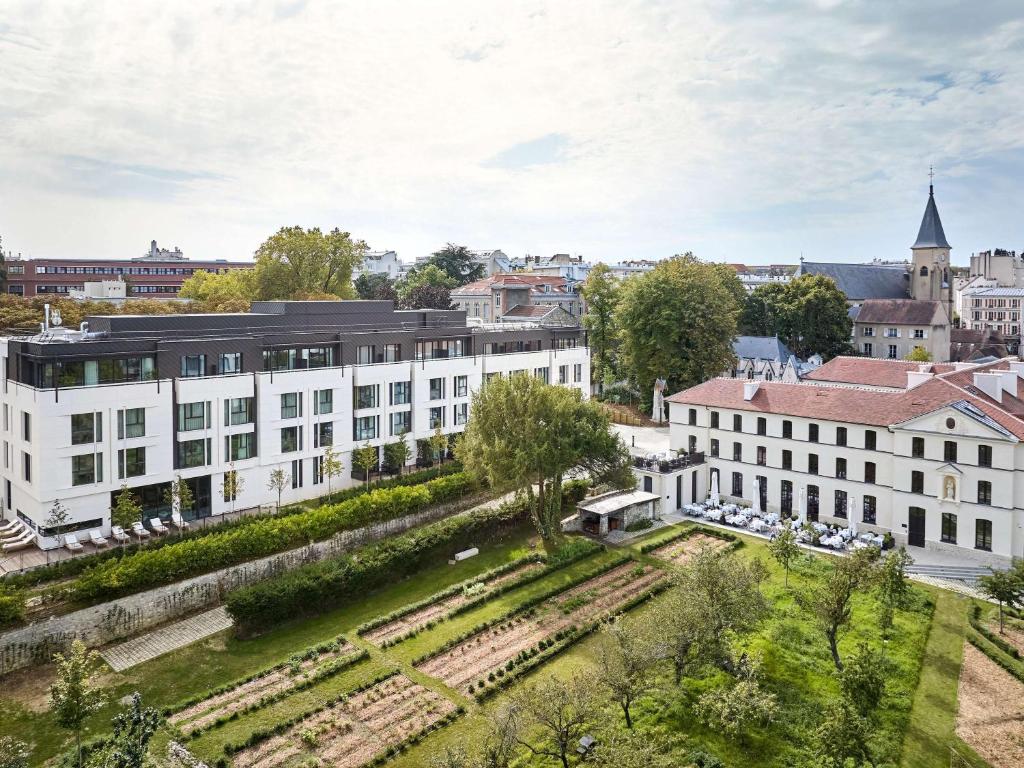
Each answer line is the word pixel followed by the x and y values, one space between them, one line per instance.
pixel 658 409
pixel 55 318
pixel 950 492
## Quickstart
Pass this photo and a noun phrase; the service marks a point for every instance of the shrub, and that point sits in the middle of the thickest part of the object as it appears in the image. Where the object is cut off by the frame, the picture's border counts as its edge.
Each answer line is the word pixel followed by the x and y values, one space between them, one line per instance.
pixel 640 525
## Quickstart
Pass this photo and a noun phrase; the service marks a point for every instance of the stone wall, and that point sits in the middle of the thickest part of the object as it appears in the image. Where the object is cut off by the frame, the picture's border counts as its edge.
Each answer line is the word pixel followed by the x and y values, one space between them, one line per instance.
pixel 118 619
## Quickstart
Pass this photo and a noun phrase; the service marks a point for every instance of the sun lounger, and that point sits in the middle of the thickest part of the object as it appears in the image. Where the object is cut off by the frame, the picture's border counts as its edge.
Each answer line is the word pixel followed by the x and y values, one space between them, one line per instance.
pixel 27 538
pixel 139 530
pixel 15 533
pixel 178 521
pixel 158 527
pixel 118 533
pixel 10 525
pixel 72 544
pixel 97 540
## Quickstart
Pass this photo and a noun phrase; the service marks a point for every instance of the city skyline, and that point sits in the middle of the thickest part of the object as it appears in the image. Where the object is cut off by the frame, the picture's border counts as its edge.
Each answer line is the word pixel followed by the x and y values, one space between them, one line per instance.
pixel 630 131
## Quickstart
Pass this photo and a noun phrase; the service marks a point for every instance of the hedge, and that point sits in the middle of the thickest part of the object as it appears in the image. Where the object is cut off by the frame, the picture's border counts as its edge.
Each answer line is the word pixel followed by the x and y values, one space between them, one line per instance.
pixel 996 656
pixel 991 636
pixel 263 536
pixel 73 566
pixel 321 586
pixel 687 533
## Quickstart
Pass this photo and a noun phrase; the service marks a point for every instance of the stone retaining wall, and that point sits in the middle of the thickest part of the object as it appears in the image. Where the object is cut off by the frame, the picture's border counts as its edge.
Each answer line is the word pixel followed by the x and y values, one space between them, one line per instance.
pixel 121 618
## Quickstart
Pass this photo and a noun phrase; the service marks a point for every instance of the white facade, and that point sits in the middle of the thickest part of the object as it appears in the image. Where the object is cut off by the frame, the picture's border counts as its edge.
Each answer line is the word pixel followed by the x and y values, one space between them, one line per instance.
pixel 381 263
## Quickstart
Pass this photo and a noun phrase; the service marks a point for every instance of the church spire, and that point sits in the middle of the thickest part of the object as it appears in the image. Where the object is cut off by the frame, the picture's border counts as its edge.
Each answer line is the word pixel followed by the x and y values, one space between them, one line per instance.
pixel 930 235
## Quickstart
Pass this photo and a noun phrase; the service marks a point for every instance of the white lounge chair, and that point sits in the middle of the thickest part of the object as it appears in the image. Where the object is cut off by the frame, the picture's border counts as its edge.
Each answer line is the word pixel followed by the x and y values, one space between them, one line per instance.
pixel 158 527
pixel 72 544
pixel 26 539
pixel 9 525
pixel 15 533
pixel 97 540
pixel 119 535
pixel 178 521
pixel 138 529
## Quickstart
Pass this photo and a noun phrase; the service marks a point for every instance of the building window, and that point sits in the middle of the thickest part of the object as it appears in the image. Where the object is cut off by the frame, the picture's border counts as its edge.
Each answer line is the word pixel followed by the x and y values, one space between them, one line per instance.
pixel 714 447
pixel 983 535
pixel 812 463
pixel 762 455
pixel 869 330
pixel 131 462
pixel 787 429
pixel 26 427
pixel 541 373
pixel 291 438
pixel 949 451
pixel 984 492
pixel 577 372
pixel 193 365
pixel 364 355
pixel 840 435
pixel 869 510
pixel 787 459
pixel 400 391
pixel 917 482
pixel 737 422
pixel 762 425
pixel 297 473
pixel 192 416
pixel 131 423
pixel 392 353
pixel 229 487
pixel 324 402
pixel 840 510
pixel 812 502
pixel 437 389
pixel 841 469
pixel 86 428
pixel 918 333
pixel 563 376
pixel 737 484
pixel 812 433
pixel 26 467
pixel 948 534
pixel 714 419
pixel 291 405
pixel 786 497
pixel 365 396
pixel 869 472
pixel 984 455
pixel 691 417
pixel 238 410
pixel 870 439
pixel 324 434
pixel 436 418
pixel 192 453
pixel 892 352
pixel 364 428
pixel 868 348
pixel 917 447
pixel 462 385
pixel 461 413
pixel 231 362
pixel 737 452
pixel 400 423
pixel 891 333
pixel 238 447
pixel 83 469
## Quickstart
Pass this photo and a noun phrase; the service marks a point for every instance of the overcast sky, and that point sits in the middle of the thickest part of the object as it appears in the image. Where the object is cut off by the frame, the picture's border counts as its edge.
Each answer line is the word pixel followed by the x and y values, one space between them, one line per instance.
pixel 743 131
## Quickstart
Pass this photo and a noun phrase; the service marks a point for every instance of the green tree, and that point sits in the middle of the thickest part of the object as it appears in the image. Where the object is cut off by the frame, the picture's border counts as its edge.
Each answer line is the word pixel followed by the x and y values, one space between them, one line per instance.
pixel 559 712
pixel 14 753
pixel 126 509
pixel 332 466
pixel 277 482
pixel 132 730
pixel 230 291
pixel 74 695
pixel 365 458
pixel 179 497
pixel 457 263
pixel 919 355
pixel 297 263
pixel 439 444
pixel 830 600
pixel 396 454
pixel 376 286
pixel 676 322
pixel 809 314
pixel 601 292
pixel 863 679
pixel 762 310
pixel 784 549
pixel 627 654
pixel 1004 587
pixel 57 518
pixel 892 585
pixel 425 287
pixel 632 749
pixel 841 734
pixel 524 434
pixel 734 708
pixel 231 485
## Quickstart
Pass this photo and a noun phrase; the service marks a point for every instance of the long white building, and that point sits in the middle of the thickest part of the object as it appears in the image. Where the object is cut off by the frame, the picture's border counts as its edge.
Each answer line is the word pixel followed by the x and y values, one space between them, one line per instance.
pixel 140 400
pixel 929 452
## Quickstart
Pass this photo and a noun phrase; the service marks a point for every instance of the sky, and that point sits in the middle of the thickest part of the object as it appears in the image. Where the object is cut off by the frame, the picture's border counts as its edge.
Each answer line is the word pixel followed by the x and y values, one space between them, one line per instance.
pixel 750 132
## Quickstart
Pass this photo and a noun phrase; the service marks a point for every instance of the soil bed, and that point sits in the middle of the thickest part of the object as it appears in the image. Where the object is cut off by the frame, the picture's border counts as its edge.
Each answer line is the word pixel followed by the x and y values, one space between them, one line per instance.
pixel 682 550
pixel 991 716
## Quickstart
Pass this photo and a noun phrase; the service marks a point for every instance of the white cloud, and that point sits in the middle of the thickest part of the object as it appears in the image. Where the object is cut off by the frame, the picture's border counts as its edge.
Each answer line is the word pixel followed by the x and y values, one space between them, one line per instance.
pixel 739 133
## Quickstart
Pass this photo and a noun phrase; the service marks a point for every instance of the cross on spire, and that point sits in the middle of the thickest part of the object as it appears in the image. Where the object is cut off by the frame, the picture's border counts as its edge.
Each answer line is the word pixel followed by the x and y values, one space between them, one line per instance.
pixel 931 178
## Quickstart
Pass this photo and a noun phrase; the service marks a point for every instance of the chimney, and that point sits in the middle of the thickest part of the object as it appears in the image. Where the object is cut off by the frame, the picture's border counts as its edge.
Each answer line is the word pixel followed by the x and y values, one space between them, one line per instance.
pixel 918 377
pixel 750 389
pixel 1008 381
pixel 990 384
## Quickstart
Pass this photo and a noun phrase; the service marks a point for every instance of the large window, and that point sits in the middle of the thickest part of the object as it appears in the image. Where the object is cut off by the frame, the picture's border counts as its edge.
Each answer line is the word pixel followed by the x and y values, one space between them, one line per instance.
pixel 870 510
pixel 436 418
pixel 238 410
pixel 131 462
pixel 441 348
pixel 737 484
pixel 193 453
pixel 841 469
pixel 948 533
pixel 364 428
pixel 131 423
pixel 193 365
pixel 949 451
pixel 812 433
pixel 291 405
pixel 983 535
pixel 762 425
pixel 812 502
pixel 737 452
pixel 714 419
pixel 786 497
pixel 84 469
pixel 543 374
pixel 916 482
pixel 461 413
pixel 365 354
pixel 86 428
pixel 462 385
pixel 762 455
pixel 291 359
pixel 869 472
pixel 984 455
pixel 291 439
pixel 324 402
pixel 984 492
pixel 437 389
pixel 812 463
pixel 324 434
pixel 231 362
pixel 787 459
pixel 392 353
pixel 840 435
pixel 400 392
pixel 365 396
pixel 787 429
pixel 870 439
pixel 400 423
pixel 917 447
pixel 238 447
pixel 192 416
pixel 841 502
pixel 737 422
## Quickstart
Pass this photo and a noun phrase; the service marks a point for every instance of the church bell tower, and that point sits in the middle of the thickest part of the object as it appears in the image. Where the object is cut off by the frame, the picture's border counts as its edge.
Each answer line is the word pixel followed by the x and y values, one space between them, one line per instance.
pixel 930 278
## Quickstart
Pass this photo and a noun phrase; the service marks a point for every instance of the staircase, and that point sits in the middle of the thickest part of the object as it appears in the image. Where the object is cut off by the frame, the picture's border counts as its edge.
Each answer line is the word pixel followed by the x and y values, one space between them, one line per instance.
pixel 968 574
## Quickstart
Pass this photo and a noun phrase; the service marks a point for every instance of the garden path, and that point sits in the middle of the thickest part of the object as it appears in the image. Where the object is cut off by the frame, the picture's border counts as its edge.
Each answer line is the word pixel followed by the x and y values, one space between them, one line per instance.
pixel 166 639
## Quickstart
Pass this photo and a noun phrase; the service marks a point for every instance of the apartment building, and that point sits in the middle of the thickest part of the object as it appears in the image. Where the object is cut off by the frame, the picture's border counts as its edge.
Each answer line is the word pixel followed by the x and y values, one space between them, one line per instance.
pixel 493 297
pixel 930 453
pixel 139 400
pixel 997 309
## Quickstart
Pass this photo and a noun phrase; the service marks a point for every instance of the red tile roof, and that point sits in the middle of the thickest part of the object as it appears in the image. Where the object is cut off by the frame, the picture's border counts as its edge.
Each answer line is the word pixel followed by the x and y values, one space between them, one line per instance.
pixel 902 312
pixel 865 371
pixel 482 286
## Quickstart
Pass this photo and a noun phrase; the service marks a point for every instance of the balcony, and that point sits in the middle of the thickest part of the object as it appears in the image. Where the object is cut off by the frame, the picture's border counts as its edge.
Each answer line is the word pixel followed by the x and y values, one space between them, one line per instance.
pixel 664 465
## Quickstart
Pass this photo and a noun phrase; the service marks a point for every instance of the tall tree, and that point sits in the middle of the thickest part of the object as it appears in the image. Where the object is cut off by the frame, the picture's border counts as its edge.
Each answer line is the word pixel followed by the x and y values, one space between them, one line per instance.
pixel 377 286
pixel 762 310
pixel 126 509
pixel 559 712
pixel 893 586
pixel 808 313
pixel 627 654
pixel 458 263
pixel 128 747
pixel 601 291
pixel 74 695
pixel 365 458
pixel 632 749
pixel 297 263
pixel 863 679
pixel 831 600
pixel 523 433
pixel 332 466
pixel 426 287
pixel 179 496
pixel 677 322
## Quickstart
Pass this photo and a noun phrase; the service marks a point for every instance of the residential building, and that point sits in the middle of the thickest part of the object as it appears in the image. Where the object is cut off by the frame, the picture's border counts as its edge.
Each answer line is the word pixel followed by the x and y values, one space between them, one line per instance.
pixel 926 452
pixel 493 297
pixel 997 309
pixel 766 358
pixel 138 400
pixel 380 263
pixel 158 274
pixel 893 328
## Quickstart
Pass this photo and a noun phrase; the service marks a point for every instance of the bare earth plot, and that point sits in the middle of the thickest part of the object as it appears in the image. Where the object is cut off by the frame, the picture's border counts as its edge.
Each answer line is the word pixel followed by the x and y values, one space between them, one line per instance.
pixel 991 716
pixel 681 550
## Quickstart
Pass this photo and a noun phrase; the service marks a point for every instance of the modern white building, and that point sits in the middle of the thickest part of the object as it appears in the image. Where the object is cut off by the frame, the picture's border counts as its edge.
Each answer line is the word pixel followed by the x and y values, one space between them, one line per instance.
pixel 139 400
pixel 929 452
pixel 380 263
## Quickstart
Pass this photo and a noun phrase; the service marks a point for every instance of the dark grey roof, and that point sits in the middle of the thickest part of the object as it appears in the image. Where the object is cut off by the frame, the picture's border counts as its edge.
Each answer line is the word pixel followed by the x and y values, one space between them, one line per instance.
pixel 760 348
pixel 930 235
pixel 862 281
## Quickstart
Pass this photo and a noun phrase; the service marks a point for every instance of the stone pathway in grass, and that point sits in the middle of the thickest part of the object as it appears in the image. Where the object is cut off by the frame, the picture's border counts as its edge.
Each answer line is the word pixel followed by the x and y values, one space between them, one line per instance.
pixel 166 639
pixel 953 586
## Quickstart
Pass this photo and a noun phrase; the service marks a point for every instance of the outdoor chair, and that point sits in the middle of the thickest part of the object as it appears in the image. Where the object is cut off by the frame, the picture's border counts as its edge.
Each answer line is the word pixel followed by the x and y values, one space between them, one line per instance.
pixel 158 526
pixel 118 533
pixel 178 521
pixel 97 540
pixel 20 543
pixel 139 530
pixel 72 544
pixel 15 533
pixel 9 525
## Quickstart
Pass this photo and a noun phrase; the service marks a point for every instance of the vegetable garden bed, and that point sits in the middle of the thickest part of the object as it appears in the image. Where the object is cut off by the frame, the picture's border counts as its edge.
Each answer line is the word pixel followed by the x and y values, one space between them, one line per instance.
pixel 680 551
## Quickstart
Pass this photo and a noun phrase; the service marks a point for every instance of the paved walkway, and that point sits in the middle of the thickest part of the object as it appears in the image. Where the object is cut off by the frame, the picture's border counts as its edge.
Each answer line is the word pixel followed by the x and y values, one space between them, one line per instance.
pixel 166 639
pixel 642 441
